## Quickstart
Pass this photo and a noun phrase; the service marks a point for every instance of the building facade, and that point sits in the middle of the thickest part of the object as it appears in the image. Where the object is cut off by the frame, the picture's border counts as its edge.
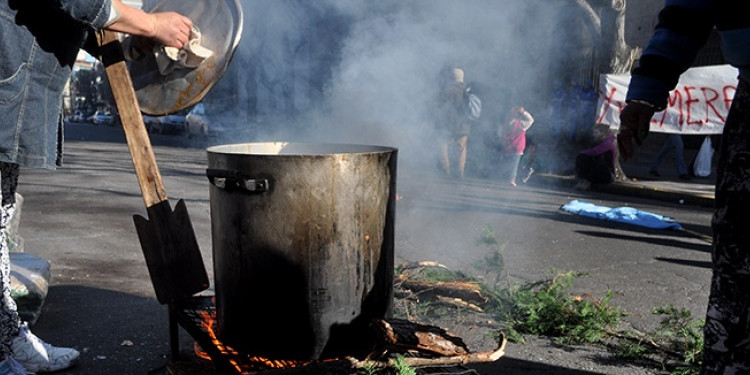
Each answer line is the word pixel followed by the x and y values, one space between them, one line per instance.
pixel 641 17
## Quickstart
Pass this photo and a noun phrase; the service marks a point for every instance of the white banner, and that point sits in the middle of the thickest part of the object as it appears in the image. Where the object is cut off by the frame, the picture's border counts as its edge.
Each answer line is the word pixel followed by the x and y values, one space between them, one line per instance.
pixel 699 104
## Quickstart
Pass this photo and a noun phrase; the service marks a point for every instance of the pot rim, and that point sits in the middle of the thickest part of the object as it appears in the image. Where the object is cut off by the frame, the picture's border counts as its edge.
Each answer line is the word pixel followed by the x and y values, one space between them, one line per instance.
pixel 297 148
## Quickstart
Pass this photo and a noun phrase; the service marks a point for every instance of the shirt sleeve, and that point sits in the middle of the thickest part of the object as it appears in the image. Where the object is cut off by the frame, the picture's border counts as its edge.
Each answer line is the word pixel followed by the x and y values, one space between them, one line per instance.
pixel 526 120
pixel 94 13
pixel 114 14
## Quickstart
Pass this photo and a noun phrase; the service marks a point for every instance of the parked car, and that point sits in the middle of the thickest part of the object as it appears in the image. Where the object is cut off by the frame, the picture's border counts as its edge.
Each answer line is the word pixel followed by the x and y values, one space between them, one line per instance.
pixel 149 121
pixel 197 121
pixel 77 116
pixel 101 117
pixel 169 124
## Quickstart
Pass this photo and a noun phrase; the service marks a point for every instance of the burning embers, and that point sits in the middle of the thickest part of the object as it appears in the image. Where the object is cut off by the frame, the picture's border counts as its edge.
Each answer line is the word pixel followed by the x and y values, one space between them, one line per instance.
pixel 422 346
pixel 198 317
pixel 240 363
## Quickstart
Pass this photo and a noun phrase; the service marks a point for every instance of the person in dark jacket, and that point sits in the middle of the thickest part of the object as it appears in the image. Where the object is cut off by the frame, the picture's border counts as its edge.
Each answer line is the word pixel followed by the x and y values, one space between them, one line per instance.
pixel 39 42
pixel 683 28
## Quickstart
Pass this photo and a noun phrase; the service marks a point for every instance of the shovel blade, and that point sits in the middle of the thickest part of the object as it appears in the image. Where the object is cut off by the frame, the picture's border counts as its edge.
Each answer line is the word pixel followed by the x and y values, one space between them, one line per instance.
pixel 171 250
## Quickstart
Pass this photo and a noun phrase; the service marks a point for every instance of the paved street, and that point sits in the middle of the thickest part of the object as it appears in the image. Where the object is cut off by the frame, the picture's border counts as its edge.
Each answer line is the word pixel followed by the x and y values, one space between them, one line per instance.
pixel 101 299
pixel 645 268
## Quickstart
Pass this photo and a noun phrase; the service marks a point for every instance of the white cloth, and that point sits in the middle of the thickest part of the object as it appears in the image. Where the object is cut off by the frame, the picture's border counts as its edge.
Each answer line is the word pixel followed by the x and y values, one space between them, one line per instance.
pixel 191 56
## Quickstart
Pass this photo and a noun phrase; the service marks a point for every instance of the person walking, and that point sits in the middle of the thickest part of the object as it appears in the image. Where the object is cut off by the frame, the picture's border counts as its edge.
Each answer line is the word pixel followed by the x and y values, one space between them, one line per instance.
pixel 454 126
pixel 513 136
pixel 39 42
pixel 683 28
pixel 672 143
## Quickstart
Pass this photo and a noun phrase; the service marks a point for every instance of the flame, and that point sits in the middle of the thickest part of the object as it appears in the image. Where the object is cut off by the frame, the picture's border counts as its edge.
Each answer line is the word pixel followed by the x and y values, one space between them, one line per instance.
pixel 207 323
pixel 200 352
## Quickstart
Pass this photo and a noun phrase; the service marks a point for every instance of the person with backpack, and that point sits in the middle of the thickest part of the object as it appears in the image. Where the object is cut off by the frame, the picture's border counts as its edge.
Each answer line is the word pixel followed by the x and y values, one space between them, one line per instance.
pixel 512 136
pixel 459 108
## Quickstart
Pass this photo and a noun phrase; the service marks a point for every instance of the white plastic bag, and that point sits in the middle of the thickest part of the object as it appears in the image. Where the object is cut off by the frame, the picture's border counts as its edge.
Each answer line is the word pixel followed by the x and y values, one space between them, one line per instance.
pixel 702 165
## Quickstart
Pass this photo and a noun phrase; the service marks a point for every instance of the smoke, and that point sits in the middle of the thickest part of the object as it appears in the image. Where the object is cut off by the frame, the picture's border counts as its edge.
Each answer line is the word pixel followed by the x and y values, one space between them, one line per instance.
pixel 368 71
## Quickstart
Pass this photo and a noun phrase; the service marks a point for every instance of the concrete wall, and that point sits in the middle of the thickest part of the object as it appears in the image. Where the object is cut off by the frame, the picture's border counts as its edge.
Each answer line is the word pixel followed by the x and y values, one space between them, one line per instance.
pixel 640 19
pixel 642 15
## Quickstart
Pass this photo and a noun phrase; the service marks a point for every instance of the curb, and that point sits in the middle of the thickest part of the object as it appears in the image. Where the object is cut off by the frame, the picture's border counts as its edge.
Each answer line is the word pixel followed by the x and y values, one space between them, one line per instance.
pixel 628 188
pixel 656 193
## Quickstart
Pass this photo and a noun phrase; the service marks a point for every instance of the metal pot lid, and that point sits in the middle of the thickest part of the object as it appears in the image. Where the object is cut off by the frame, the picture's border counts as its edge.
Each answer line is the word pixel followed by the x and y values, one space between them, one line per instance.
pixel 220 26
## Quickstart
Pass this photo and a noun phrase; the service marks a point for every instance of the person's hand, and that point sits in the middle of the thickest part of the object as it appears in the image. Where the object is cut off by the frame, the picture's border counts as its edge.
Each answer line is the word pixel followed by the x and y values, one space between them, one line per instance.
pixel 171 29
pixel 635 121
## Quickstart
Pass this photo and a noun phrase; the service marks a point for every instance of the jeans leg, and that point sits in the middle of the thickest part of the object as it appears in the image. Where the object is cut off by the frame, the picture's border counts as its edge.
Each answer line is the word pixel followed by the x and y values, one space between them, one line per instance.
pixel 663 151
pixel 514 161
pixel 679 153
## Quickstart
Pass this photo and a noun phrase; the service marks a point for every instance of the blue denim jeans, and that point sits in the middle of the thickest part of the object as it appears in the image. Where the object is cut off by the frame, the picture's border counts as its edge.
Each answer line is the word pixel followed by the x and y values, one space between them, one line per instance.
pixel 673 143
pixel 39 42
pixel 512 161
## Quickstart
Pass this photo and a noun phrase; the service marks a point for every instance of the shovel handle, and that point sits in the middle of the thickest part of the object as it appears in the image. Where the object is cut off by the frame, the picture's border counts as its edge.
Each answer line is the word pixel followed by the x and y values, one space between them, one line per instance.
pixel 144 161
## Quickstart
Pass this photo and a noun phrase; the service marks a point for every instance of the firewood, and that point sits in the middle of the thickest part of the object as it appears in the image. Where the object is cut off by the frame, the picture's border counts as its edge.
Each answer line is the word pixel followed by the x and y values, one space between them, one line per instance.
pixel 423 264
pixel 401 335
pixel 489 356
pixel 459 303
pixel 462 359
pixel 466 291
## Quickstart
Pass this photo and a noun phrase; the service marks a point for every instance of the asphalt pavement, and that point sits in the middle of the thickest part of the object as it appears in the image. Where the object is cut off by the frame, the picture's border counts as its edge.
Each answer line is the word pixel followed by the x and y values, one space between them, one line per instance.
pixel 101 300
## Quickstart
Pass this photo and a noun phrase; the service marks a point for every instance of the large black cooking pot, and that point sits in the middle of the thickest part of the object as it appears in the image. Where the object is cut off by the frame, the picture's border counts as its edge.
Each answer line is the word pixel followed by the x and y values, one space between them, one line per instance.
pixel 302 246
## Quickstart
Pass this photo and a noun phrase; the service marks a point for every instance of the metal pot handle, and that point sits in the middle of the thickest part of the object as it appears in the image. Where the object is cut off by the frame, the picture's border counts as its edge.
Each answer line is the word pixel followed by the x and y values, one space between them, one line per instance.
pixel 234 180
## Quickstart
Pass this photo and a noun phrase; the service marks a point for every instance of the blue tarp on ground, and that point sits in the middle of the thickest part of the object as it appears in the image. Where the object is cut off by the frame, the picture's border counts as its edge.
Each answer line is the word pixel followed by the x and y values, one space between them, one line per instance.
pixel 627 215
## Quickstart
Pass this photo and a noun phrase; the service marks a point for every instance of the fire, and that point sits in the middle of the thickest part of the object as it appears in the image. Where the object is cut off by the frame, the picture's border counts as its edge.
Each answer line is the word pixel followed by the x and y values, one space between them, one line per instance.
pixel 248 362
pixel 199 351
pixel 207 323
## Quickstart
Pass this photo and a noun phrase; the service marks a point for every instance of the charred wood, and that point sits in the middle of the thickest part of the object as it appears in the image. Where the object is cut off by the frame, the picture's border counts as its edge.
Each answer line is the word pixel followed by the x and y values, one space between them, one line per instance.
pixel 459 359
pixel 401 336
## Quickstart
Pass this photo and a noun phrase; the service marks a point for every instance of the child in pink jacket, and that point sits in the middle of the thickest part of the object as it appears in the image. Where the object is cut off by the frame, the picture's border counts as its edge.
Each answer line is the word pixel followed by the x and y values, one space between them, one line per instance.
pixel 513 138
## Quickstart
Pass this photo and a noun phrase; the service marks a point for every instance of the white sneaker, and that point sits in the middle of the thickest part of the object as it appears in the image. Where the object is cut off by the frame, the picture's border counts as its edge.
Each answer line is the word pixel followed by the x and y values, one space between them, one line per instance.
pixel 37 356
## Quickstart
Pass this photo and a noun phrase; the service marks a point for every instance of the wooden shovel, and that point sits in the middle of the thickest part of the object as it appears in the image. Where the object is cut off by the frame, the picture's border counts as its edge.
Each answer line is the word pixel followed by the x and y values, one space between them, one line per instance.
pixel 167 238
